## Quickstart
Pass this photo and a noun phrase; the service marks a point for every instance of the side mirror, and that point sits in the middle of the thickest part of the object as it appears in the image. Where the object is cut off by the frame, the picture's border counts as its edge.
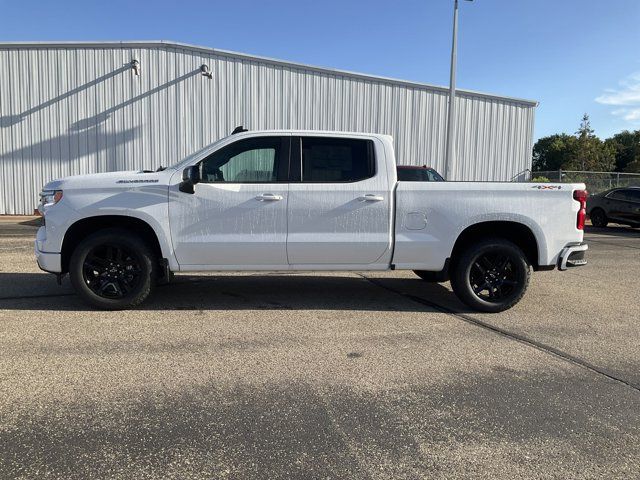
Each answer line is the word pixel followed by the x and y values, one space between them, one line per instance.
pixel 190 177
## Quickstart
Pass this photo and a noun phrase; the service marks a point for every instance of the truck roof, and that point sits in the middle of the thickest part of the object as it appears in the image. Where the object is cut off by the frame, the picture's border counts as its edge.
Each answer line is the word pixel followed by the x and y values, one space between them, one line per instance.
pixel 312 132
pixel 241 133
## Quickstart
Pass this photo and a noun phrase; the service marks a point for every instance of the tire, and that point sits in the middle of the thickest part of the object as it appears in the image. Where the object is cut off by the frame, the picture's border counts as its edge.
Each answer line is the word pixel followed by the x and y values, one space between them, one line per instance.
pixel 495 266
pixel 598 218
pixel 113 269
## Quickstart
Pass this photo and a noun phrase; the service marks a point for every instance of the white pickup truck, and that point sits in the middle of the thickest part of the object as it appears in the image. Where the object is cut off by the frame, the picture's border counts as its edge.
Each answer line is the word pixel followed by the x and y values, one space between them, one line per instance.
pixel 303 200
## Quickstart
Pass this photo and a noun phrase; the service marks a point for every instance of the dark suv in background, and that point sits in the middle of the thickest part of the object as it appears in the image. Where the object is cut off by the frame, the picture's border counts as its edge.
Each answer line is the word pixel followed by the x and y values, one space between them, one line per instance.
pixel 618 205
pixel 410 173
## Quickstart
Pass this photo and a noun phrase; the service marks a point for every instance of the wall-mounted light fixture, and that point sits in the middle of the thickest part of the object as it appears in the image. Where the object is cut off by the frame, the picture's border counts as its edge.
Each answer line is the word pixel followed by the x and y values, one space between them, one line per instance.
pixel 206 71
pixel 135 66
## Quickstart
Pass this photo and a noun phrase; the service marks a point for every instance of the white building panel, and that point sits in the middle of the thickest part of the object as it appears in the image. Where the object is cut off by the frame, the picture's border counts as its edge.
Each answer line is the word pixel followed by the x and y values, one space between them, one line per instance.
pixel 74 108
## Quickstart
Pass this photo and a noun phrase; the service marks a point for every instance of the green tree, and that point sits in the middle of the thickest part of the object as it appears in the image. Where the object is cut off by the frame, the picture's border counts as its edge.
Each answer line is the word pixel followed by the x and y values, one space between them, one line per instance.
pixel 591 153
pixel 627 148
pixel 553 152
pixel 582 151
pixel 633 167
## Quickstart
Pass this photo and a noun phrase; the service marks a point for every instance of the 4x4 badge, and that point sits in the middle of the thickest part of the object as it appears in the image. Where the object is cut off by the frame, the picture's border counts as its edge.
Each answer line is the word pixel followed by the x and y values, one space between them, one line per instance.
pixel 547 187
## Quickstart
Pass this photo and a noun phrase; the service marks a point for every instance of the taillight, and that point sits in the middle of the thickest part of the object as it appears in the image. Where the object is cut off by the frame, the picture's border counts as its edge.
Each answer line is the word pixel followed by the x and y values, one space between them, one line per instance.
pixel 581 196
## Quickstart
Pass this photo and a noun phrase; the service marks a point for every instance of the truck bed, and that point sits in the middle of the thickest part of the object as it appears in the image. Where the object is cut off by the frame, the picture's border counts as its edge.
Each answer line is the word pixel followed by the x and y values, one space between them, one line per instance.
pixel 430 216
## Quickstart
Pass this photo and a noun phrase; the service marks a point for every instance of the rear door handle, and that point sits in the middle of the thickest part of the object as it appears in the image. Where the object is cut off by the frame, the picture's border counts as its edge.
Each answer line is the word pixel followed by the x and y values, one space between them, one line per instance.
pixel 370 197
pixel 269 197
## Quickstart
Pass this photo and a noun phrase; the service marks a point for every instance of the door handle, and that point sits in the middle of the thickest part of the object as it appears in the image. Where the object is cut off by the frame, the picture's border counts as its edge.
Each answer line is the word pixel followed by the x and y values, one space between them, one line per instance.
pixel 269 197
pixel 370 197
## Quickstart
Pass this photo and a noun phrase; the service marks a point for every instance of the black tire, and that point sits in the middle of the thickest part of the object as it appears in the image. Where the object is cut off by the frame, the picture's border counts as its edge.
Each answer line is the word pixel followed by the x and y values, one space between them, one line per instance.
pixel 496 266
pixel 113 269
pixel 598 218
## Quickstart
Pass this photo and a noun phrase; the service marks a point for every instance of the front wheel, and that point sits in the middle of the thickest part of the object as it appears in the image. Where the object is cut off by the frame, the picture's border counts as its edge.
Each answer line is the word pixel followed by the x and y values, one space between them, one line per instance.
pixel 491 276
pixel 112 269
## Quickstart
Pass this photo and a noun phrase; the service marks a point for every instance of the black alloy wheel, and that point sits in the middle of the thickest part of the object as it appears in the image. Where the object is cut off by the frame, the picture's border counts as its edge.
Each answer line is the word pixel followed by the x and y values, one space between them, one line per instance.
pixel 491 275
pixel 111 271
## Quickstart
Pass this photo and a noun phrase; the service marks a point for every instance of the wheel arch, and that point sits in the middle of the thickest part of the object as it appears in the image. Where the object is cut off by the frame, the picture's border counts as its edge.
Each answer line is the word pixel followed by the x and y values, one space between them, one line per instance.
pixel 88 225
pixel 516 232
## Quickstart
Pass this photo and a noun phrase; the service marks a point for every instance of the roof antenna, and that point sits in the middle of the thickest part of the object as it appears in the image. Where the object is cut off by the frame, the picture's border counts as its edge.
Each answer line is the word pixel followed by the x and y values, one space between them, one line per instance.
pixel 239 129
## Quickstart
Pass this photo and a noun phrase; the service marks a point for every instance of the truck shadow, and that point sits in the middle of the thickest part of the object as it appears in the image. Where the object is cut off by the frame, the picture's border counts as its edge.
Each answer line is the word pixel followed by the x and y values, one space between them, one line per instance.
pixel 259 291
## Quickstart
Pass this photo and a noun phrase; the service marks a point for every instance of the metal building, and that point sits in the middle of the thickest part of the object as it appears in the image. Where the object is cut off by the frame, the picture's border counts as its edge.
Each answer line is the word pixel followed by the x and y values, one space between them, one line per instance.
pixel 75 108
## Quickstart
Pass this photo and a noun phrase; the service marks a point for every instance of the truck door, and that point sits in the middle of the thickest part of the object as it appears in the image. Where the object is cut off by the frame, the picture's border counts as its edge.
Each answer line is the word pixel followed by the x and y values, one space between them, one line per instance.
pixel 237 215
pixel 339 210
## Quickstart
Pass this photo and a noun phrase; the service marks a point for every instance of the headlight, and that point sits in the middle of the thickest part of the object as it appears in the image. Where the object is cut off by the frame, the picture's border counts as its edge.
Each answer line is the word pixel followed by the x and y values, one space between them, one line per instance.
pixel 50 197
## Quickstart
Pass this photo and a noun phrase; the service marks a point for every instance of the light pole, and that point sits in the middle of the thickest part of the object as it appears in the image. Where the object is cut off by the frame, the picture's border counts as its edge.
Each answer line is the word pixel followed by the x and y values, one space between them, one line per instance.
pixel 451 118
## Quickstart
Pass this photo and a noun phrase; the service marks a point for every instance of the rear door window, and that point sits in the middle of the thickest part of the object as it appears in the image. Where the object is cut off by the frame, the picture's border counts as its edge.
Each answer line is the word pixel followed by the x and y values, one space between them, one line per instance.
pixel 633 195
pixel 335 160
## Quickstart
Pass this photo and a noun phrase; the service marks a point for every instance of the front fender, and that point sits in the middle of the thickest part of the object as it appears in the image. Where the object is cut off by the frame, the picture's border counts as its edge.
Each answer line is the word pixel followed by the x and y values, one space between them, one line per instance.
pixel 146 203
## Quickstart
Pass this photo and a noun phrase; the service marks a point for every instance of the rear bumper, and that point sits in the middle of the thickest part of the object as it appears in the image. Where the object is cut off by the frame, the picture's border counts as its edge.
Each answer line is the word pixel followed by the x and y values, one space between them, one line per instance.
pixel 572 256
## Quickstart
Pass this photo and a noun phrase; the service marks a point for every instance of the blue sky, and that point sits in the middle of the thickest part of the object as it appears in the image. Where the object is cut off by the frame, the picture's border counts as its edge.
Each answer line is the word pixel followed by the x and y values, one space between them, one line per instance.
pixel 573 56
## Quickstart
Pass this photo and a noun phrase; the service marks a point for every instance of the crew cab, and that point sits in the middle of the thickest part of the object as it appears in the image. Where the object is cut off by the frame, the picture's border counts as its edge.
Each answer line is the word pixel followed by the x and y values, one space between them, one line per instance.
pixel 303 200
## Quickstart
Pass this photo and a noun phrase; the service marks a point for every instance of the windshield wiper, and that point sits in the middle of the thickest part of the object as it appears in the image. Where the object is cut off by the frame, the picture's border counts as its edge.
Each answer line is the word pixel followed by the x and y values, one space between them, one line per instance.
pixel 161 168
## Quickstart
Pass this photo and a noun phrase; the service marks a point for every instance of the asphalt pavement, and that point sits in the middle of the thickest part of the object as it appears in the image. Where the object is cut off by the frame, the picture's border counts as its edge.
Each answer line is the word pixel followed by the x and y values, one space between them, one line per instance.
pixel 332 375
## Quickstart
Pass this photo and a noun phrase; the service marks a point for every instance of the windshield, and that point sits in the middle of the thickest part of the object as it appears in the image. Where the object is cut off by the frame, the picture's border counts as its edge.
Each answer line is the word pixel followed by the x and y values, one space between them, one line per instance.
pixel 185 161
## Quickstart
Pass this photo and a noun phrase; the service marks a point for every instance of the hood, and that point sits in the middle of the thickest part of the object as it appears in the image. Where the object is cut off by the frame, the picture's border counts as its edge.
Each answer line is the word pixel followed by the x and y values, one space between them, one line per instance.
pixel 124 179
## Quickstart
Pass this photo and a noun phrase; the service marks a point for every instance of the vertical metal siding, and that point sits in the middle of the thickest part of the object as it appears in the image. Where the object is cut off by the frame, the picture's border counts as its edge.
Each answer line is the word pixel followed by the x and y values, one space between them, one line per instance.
pixel 76 110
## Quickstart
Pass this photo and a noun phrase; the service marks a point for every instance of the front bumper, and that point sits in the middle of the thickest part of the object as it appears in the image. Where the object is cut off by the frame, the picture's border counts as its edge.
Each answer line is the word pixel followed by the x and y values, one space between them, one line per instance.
pixel 47 261
pixel 572 256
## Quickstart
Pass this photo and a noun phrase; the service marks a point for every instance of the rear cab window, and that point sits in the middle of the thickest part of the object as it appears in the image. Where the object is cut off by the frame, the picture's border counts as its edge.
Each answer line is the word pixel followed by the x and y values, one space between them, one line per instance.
pixel 334 160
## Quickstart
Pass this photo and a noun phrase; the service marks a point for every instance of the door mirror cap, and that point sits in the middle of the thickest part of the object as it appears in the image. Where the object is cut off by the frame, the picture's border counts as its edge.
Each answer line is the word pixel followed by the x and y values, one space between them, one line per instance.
pixel 190 177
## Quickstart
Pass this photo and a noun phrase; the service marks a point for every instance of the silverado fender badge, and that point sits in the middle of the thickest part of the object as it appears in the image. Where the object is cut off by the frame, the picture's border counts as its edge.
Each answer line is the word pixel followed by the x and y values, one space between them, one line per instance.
pixel 137 181
pixel 547 187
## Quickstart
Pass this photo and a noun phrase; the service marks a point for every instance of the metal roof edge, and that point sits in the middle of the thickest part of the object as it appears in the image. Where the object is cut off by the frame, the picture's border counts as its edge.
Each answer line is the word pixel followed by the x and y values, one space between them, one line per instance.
pixel 209 50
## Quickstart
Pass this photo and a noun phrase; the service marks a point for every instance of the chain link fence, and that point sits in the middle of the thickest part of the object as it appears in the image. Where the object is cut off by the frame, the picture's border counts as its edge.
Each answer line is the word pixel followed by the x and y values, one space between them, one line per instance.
pixel 595 181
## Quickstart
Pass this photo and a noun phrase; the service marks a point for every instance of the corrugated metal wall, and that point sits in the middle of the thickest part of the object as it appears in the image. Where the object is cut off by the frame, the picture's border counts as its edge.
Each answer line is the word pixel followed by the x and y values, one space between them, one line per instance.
pixel 68 109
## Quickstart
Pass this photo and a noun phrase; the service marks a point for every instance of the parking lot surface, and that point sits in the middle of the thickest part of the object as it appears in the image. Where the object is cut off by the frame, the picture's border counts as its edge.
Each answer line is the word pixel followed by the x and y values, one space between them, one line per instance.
pixel 332 375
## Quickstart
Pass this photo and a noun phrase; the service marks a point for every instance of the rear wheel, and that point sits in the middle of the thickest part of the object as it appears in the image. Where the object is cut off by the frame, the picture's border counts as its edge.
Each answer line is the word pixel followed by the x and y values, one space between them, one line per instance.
pixel 598 218
pixel 113 270
pixel 491 276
